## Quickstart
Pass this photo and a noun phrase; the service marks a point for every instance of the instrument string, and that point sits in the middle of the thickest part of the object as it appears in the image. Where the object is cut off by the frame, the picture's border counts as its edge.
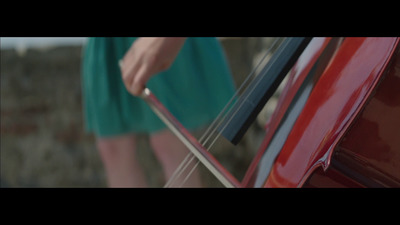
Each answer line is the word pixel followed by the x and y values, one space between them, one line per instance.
pixel 213 128
pixel 211 134
pixel 217 123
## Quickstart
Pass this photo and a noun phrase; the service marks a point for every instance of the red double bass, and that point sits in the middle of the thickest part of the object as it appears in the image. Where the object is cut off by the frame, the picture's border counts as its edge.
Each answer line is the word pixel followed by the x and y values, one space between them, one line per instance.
pixel 347 133
pixel 337 122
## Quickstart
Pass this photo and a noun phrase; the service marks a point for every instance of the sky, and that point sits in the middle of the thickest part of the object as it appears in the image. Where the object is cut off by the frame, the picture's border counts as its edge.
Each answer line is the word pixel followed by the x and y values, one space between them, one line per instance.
pixel 39 42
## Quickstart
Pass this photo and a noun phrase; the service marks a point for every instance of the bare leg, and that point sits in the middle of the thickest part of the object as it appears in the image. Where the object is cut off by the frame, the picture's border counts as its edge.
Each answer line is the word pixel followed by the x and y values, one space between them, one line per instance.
pixel 170 151
pixel 119 160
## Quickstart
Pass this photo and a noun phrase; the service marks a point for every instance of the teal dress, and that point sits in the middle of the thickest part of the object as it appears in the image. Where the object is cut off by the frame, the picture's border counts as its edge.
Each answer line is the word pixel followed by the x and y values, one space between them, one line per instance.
pixel 194 89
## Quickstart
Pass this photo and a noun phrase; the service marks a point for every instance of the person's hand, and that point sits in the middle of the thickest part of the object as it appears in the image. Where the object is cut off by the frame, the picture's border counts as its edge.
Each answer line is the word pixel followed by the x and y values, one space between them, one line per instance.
pixel 146 57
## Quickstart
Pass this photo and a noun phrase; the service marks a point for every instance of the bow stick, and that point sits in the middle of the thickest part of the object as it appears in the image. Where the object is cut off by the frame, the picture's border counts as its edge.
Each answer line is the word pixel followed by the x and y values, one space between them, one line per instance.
pixel 208 160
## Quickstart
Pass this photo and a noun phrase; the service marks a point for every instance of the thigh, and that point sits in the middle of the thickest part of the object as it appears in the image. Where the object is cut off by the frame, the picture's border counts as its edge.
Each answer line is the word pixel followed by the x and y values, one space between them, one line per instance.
pixel 117 149
pixel 167 147
pixel 171 152
pixel 116 142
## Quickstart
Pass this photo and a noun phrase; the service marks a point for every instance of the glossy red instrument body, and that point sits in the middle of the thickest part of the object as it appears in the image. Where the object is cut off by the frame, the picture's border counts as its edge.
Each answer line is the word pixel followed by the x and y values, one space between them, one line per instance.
pixel 347 133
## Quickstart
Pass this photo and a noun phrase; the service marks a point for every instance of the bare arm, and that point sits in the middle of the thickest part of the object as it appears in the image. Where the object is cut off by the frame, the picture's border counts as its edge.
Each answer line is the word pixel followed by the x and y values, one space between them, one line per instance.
pixel 146 57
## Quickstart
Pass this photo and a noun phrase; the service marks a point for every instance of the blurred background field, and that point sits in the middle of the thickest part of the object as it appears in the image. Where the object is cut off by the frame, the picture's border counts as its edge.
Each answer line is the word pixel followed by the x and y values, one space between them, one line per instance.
pixel 43 143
